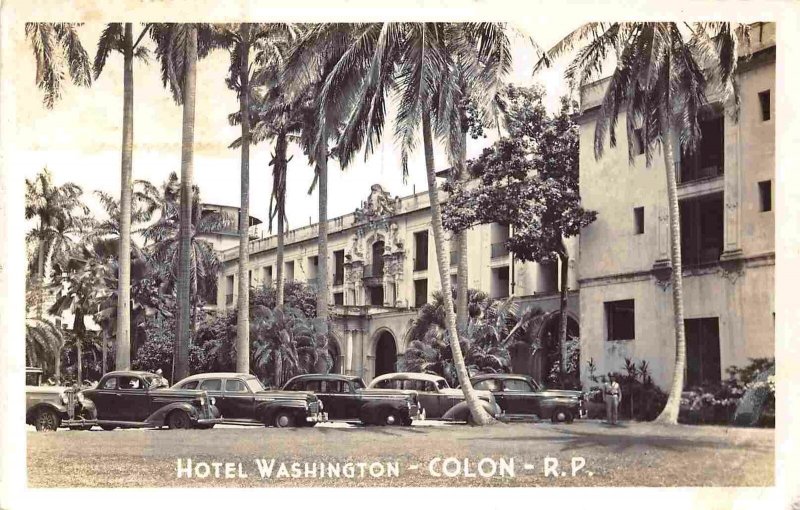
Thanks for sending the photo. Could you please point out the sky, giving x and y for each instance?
(79, 140)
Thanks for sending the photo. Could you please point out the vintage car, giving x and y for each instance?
(523, 399)
(242, 399)
(50, 407)
(346, 398)
(131, 399)
(437, 399)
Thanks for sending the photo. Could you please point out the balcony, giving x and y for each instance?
(499, 250)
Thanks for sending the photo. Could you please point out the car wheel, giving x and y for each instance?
(390, 418)
(406, 422)
(561, 415)
(206, 426)
(283, 419)
(178, 419)
(47, 420)
(108, 427)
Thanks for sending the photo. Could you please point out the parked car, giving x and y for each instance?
(346, 398)
(437, 399)
(522, 398)
(49, 407)
(132, 399)
(241, 398)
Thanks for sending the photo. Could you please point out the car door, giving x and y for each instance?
(133, 399)
(429, 397)
(337, 398)
(213, 386)
(239, 400)
(104, 398)
(520, 397)
(497, 391)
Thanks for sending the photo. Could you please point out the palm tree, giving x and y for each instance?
(43, 342)
(56, 46)
(178, 47)
(61, 215)
(164, 245)
(418, 62)
(660, 83)
(119, 37)
(240, 40)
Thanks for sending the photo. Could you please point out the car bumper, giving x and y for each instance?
(208, 421)
(317, 418)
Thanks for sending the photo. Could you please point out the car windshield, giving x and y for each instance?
(254, 384)
(442, 384)
(517, 385)
(358, 384)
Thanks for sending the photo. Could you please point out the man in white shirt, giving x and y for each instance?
(612, 394)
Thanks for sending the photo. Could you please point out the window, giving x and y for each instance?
(130, 383)
(517, 385)
(487, 385)
(338, 267)
(548, 277)
(638, 142)
(267, 275)
(331, 387)
(211, 385)
(620, 320)
(288, 271)
(235, 386)
(420, 292)
(708, 158)
(338, 298)
(358, 384)
(110, 384)
(703, 365)
(254, 384)
(421, 251)
(702, 229)
(764, 102)
(765, 195)
(638, 220)
(250, 277)
(499, 284)
(229, 289)
(190, 385)
(376, 295)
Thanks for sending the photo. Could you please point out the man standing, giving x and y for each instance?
(613, 395)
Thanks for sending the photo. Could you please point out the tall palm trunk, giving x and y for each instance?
(462, 277)
(322, 238)
(105, 355)
(479, 415)
(562, 336)
(181, 364)
(243, 300)
(40, 277)
(670, 413)
(79, 330)
(124, 281)
(280, 199)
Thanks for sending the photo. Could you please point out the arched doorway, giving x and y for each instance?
(333, 351)
(537, 362)
(385, 354)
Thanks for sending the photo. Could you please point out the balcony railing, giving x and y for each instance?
(228, 299)
(499, 250)
(453, 258)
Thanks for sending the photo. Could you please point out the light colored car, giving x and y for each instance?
(49, 407)
(438, 400)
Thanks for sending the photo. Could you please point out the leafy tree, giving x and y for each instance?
(486, 340)
(529, 181)
(286, 343)
(118, 37)
(659, 81)
(164, 236)
(157, 352)
(58, 51)
(43, 344)
(61, 216)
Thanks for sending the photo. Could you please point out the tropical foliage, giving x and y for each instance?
(58, 52)
(43, 344)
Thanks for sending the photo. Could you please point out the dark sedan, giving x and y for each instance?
(242, 399)
(522, 398)
(346, 398)
(132, 399)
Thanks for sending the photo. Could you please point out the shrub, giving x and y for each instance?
(159, 348)
(642, 400)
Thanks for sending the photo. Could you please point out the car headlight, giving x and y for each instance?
(212, 400)
(81, 399)
(202, 400)
(321, 407)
